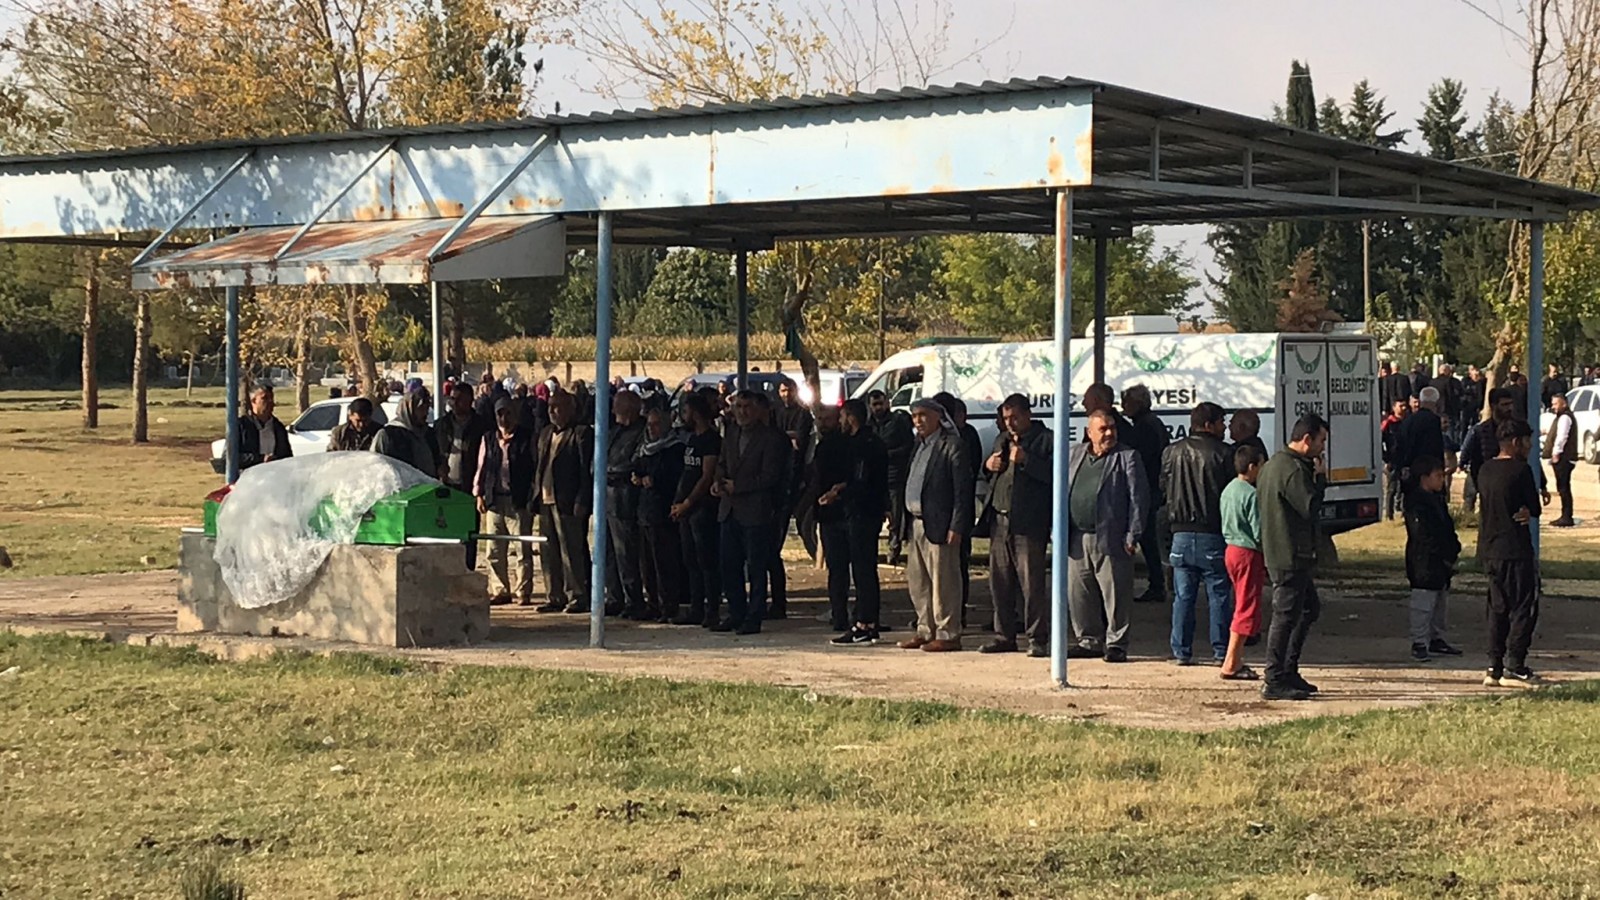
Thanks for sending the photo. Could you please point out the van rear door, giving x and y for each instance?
(1337, 379)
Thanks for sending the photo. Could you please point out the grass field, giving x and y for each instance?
(75, 501)
(122, 769)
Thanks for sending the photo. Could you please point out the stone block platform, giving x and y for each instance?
(417, 596)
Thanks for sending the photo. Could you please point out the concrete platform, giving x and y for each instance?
(386, 596)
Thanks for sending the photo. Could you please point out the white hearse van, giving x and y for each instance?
(1280, 376)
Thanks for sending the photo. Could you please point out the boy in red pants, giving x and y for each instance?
(1247, 569)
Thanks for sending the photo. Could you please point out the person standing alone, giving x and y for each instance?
(1289, 497)
(1510, 502)
(1561, 448)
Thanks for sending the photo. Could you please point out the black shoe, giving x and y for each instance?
(1183, 661)
(553, 606)
(612, 609)
(1079, 651)
(748, 628)
(1303, 684)
(1037, 650)
(1283, 692)
(1116, 655)
(776, 612)
(1252, 640)
(577, 608)
(635, 613)
(1443, 649)
(1563, 522)
(856, 636)
(1151, 597)
(1419, 653)
(999, 645)
(722, 627)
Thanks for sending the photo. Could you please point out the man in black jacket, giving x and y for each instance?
(893, 428)
(938, 501)
(503, 477)
(851, 542)
(956, 409)
(624, 582)
(1420, 435)
(1019, 532)
(1148, 437)
(565, 491)
(657, 470)
(752, 476)
(1432, 549)
(1289, 498)
(262, 438)
(1553, 384)
(1194, 473)
(1505, 545)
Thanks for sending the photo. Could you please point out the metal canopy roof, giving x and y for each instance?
(394, 252)
(983, 157)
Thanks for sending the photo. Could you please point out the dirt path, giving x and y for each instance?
(1357, 653)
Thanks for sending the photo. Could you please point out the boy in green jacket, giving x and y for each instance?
(1247, 568)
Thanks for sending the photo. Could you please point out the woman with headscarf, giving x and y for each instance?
(408, 438)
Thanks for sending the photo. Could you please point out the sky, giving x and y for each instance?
(1230, 54)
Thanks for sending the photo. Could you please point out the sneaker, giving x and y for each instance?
(1303, 684)
(1283, 692)
(1116, 655)
(856, 636)
(1419, 653)
(1522, 677)
(1079, 651)
(1491, 678)
(1440, 648)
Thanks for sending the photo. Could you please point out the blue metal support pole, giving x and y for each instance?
(1101, 274)
(602, 430)
(1060, 627)
(232, 380)
(441, 403)
(741, 268)
(1535, 351)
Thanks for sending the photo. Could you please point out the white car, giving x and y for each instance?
(310, 431)
(1585, 405)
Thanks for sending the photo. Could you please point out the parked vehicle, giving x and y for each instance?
(1279, 376)
(837, 385)
(1585, 405)
(309, 432)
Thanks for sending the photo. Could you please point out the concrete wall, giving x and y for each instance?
(390, 596)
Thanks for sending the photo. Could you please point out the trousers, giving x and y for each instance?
(698, 538)
(623, 583)
(661, 557)
(565, 555)
(1295, 608)
(1017, 578)
(1513, 610)
(505, 518)
(1099, 589)
(1200, 558)
(746, 553)
(1428, 615)
(850, 549)
(933, 578)
(1563, 472)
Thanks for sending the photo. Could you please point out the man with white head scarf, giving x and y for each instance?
(938, 499)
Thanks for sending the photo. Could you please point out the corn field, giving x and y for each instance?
(831, 349)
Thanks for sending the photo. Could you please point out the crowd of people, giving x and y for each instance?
(701, 494)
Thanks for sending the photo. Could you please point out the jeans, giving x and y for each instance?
(1392, 494)
(850, 548)
(1295, 608)
(746, 552)
(1195, 558)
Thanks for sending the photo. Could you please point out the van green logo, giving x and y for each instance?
(1146, 364)
(1251, 363)
(1310, 368)
(1048, 363)
(1082, 355)
(966, 371)
(1346, 367)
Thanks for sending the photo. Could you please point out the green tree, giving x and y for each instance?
(692, 293)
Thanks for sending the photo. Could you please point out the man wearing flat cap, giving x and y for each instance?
(938, 503)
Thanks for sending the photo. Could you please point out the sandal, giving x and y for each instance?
(1245, 673)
